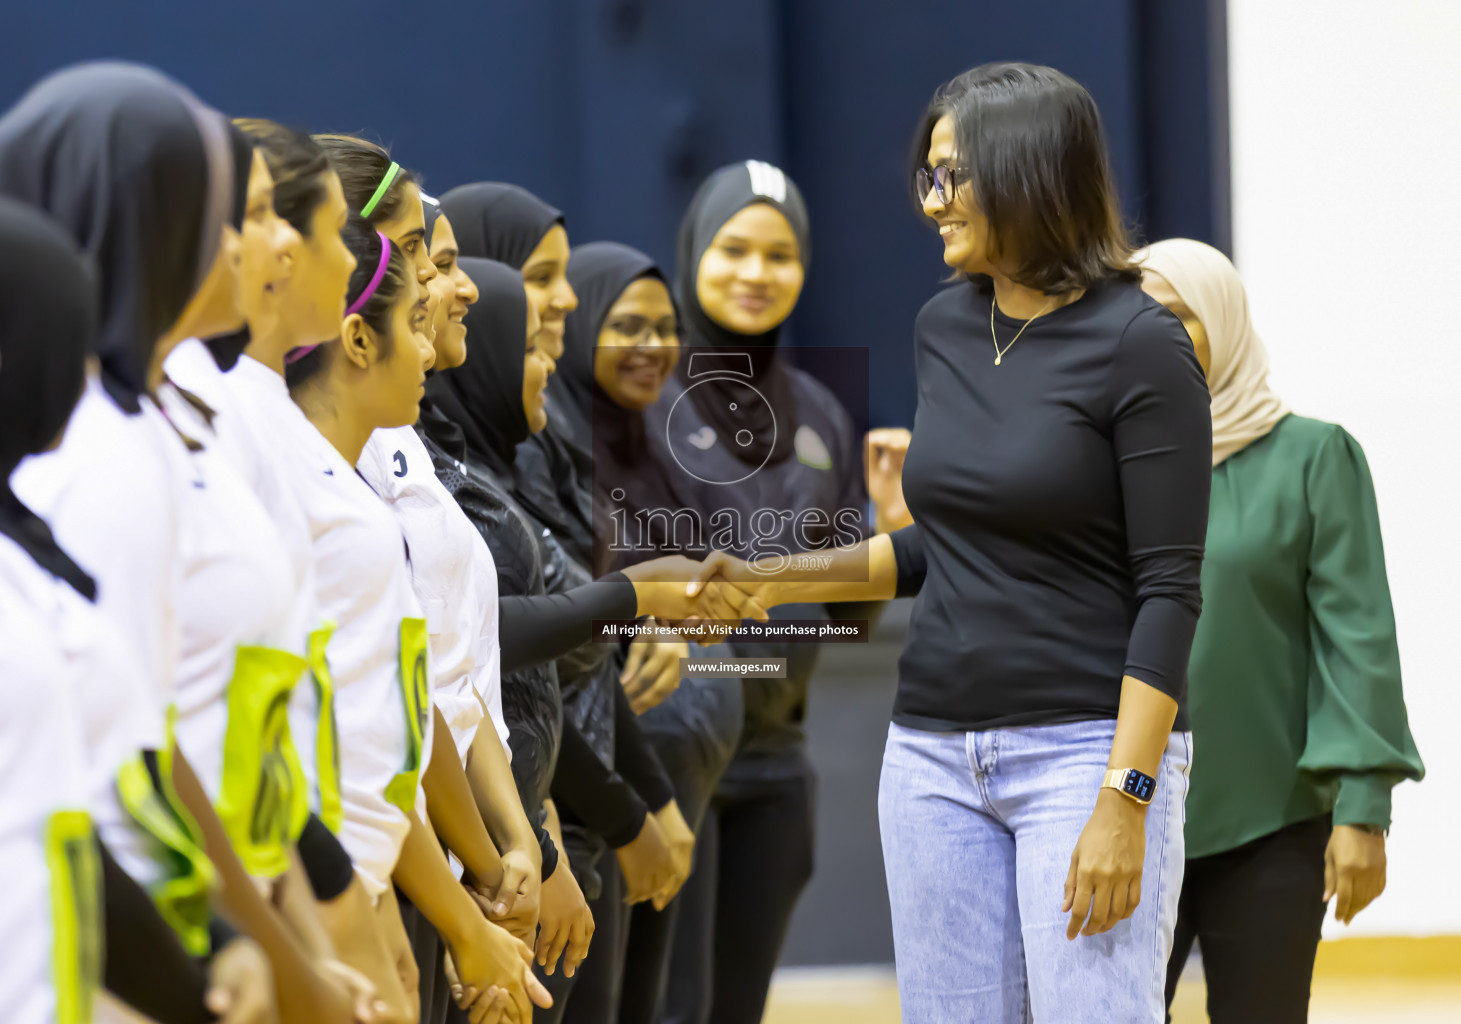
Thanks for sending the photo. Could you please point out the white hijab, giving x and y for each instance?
(1244, 407)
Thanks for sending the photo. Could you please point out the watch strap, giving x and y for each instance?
(1130, 783)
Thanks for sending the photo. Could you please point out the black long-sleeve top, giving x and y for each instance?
(550, 755)
(543, 627)
(624, 778)
(818, 498)
(1060, 505)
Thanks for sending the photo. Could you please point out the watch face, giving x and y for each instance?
(689, 437)
(1140, 786)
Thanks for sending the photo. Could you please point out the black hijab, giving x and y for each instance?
(726, 193)
(505, 223)
(479, 405)
(496, 221)
(143, 177)
(613, 438)
(598, 272)
(48, 308)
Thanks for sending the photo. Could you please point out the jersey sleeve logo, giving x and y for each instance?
(400, 459)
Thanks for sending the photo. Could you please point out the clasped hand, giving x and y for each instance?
(692, 593)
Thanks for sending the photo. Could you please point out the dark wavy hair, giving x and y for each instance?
(1029, 141)
(361, 164)
(364, 243)
(298, 166)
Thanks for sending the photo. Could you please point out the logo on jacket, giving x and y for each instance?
(400, 463)
(811, 450)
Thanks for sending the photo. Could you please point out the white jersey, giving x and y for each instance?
(50, 913)
(245, 715)
(377, 654)
(110, 497)
(454, 577)
(255, 424)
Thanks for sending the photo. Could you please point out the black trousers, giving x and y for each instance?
(695, 772)
(587, 861)
(1255, 912)
(430, 954)
(753, 858)
(596, 986)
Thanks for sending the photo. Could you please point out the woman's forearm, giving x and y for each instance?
(539, 628)
(453, 810)
(353, 925)
(424, 875)
(867, 571)
(552, 824)
(495, 791)
(1143, 727)
(239, 901)
(295, 901)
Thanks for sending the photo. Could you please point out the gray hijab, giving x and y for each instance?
(143, 177)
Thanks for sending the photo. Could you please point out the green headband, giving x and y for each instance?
(380, 190)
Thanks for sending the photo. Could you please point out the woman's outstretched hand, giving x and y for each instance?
(678, 588)
(884, 450)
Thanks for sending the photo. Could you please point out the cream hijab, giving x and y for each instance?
(1244, 407)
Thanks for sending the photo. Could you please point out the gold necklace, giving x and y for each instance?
(999, 352)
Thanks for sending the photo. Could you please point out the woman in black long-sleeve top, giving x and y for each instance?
(620, 348)
(754, 440)
(509, 224)
(480, 412)
(1058, 475)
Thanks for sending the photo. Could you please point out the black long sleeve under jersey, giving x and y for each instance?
(537, 628)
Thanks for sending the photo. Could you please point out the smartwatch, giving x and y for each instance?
(1139, 786)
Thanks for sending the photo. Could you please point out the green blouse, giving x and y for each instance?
(1294, 685)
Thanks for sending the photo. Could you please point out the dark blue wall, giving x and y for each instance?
(614, 109)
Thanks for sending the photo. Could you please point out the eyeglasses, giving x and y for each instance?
(940, 179)
(640, 332)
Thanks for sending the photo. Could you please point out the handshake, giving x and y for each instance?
(721, 588)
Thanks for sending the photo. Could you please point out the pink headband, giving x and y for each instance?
(380, 273)
(359, 304)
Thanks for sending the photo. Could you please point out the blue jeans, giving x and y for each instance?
(978, 830)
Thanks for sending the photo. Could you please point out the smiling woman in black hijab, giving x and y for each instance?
(494, 400)
(484, 396)
(551, 480)
(621, 346)
(727, 305)
(755, 434)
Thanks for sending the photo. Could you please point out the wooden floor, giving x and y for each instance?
(869, 997)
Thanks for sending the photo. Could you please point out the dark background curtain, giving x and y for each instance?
(614, 110)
